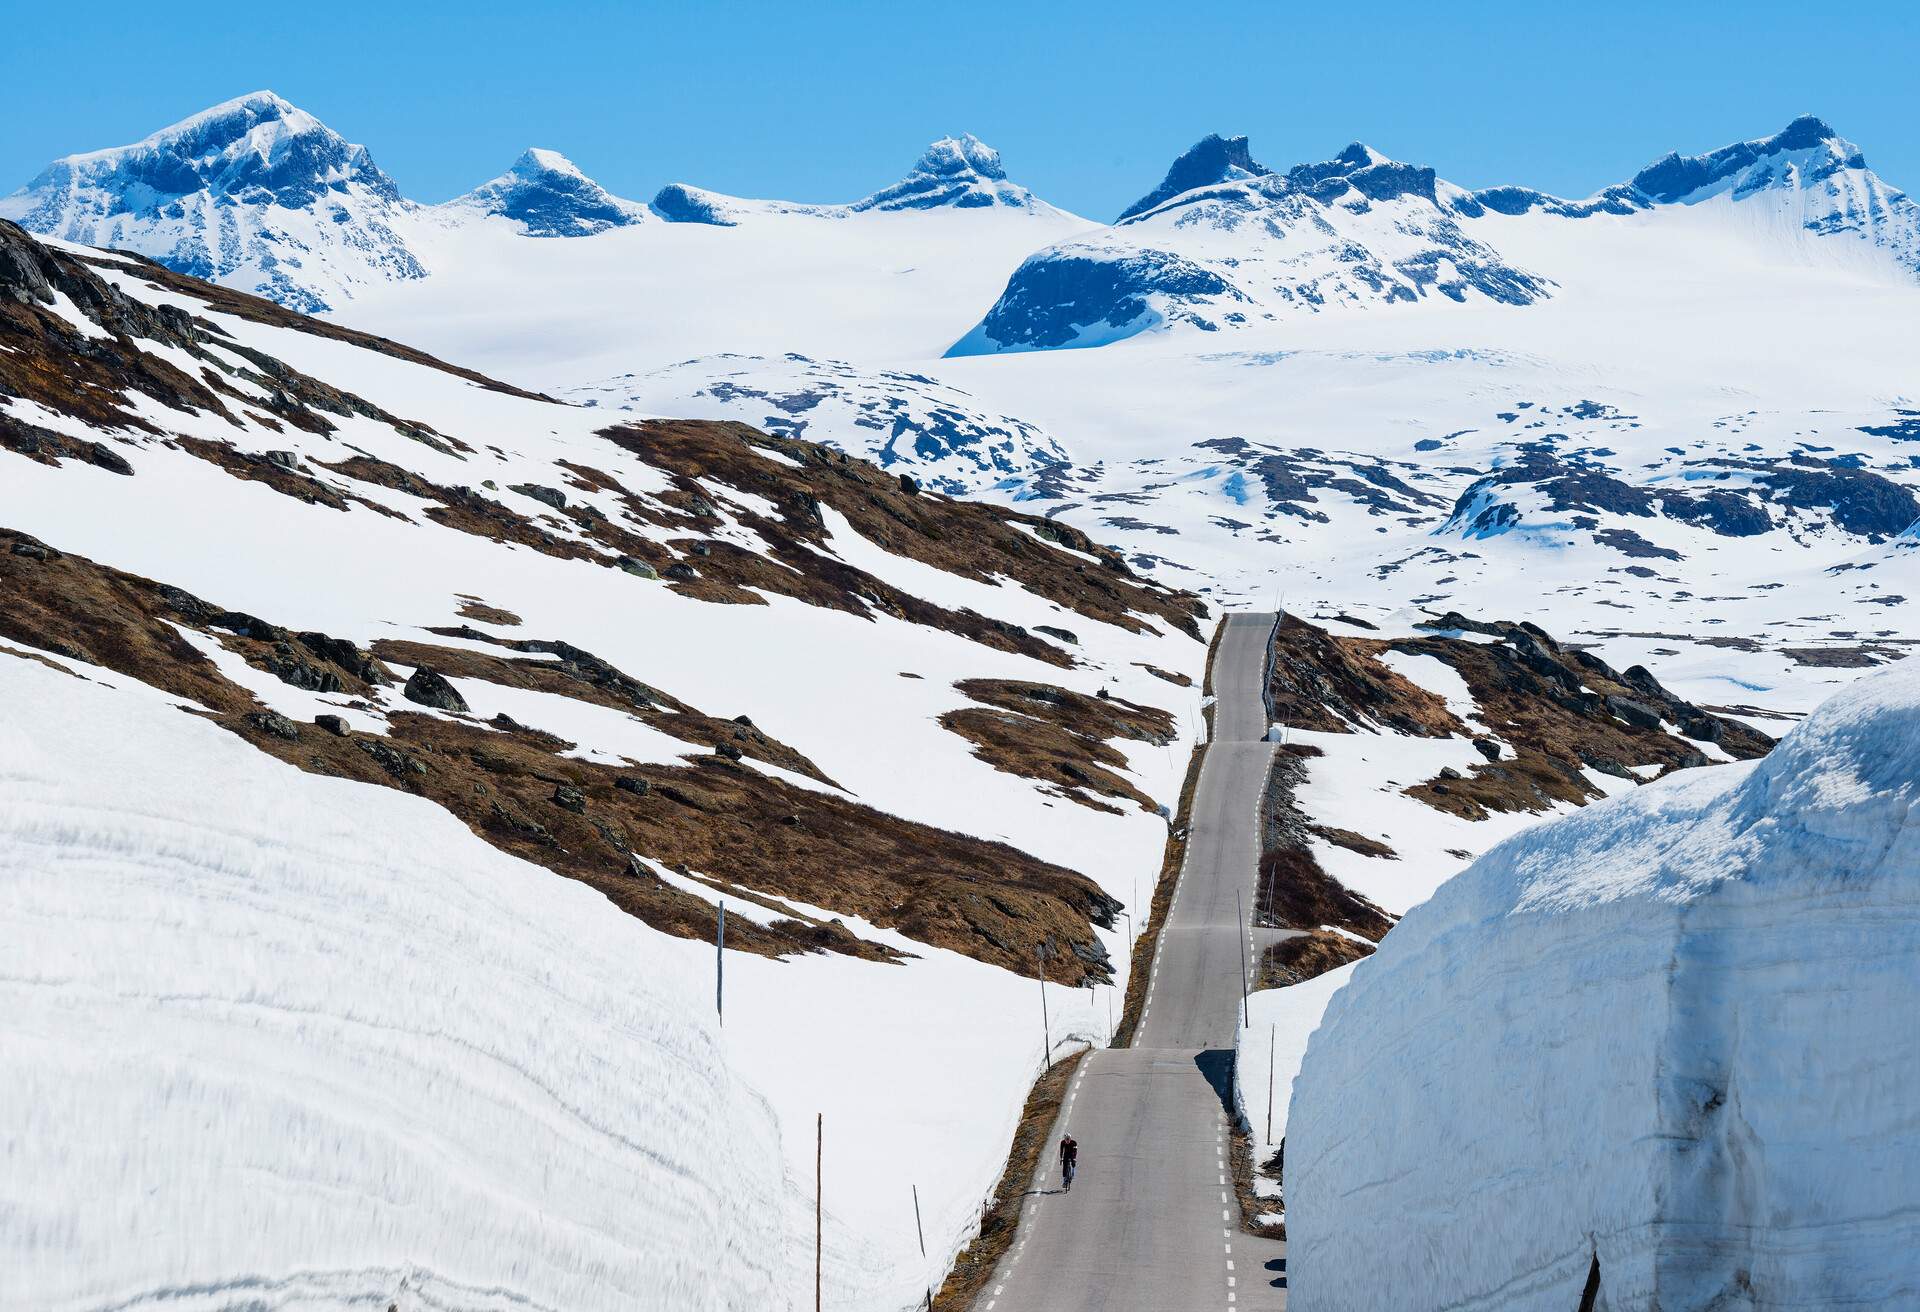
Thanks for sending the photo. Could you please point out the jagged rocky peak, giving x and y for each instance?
(1365, 170)
(1804, 152)
(1208, 162)
(960, 172)
(257, 148)
(548, 195)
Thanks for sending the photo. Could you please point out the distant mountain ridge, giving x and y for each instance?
(959, 173)
(1224, 242)
(262, 196)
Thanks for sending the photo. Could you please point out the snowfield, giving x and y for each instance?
(1670, 1035)
(279, 1038)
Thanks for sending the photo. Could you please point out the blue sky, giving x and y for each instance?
(1087, 103)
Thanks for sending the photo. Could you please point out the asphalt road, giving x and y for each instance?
(1151, 1224)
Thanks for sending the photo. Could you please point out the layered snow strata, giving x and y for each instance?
(1669, 1037)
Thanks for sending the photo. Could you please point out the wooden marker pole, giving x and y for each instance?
(820, 1147)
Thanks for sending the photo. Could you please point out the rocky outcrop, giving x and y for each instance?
(1209, 161)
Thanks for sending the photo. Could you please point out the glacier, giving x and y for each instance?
(1668, 1040)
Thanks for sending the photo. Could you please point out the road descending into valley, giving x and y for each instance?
(1151, 1224)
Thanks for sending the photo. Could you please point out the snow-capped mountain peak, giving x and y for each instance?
(1806, 178)
(255, 192)
(548, 195)
(1356, 230)
(1805, 152)
(960, 172)
(252, 145)
(1207, 162)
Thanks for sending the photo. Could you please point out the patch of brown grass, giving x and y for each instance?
(473, 608)
(1296, 960)
(1058, 737)
(1160, 905)
(1240, 1158)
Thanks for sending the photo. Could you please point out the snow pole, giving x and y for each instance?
(1046, 1028)
(819, 1160)
(1272, 1037)
(1240, 903)
(720, 964)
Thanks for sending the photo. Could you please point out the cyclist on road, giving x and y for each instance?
(1069, 1160)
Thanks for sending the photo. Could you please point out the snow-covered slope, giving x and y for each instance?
(1666, 1040)
(254, 193)
(547, 195)
(906, 421)
(648, 667)
(729, 277)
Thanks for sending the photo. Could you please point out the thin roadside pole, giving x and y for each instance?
(720, 966)
(1046, 1027)
(923, 1236)
(820, 1153)
(1240, 903)
(1272, 1034)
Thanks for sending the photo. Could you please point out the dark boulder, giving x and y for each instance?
(274, 723)
(551, 496)
(395, 762)
(1638, 714)
(431, 689)
(568, 798)
(333, 724)
(108, 459)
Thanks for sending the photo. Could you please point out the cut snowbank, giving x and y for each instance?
(285, 1040)
(1272, 1044)
(1673, 1031)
